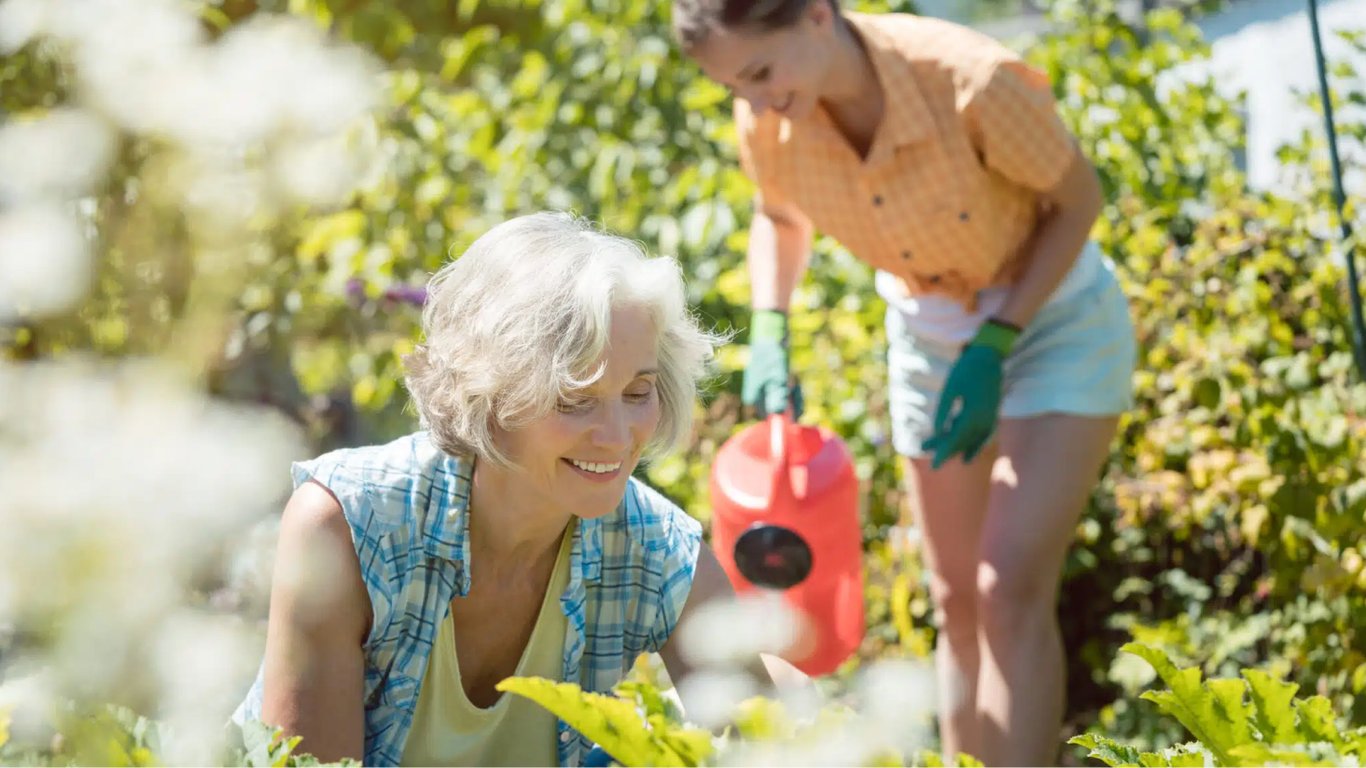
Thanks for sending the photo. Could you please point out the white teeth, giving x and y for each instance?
(594, 467)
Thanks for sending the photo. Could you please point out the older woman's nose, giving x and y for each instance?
(613, 427)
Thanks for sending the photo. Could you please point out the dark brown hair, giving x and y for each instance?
(693, 20)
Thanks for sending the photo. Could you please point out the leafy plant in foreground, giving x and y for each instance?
(1252, 720)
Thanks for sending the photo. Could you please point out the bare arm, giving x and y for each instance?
(1073, 205)
(710, 583)
(779, 251)
(319, 615)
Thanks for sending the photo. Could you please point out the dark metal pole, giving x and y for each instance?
(1358, 330)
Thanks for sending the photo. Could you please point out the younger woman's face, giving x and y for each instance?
(781, 70)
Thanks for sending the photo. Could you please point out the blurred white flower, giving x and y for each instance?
(28, 695)
(120, 44)
(274, 83)
(223, 195)
(45, 266)
(734, 632)
(318, 172)
(281, 73)
(123, 486)
(65, 153)
(204, 665)
(801, 700)
(251, 566)
(850, 741)
(710, 697)
(146, 65)
(270, 76)
(152, 31)
(843, 745)
(897, 701)
(130, 55)
(21, 21)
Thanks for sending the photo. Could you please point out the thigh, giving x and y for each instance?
(1046, 469)
(950, 505)
(1076, 356)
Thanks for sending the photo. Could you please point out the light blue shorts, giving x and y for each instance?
(1076, 356)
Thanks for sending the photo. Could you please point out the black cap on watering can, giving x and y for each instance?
(770, 555)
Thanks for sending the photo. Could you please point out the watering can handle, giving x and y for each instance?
(781, 487)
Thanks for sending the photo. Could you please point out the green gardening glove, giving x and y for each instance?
(971, 400)
(765, 387)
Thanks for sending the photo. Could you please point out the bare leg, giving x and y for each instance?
(949, 505)
(1046, 469)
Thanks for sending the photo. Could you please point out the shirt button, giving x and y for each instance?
(564, 737)
(877, 199)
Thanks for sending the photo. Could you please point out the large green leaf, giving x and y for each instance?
(1287, 754)
(1106, 749)
(1273, 698)
(1208, 713)
(612, 723)
(1317, 721)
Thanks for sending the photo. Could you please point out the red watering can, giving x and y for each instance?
(785, 517)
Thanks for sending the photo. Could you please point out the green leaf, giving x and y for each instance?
(1317, 722)
(266, 746)
(693, 745)
(1208, 714)
(611, 723)
(931, 759)
(1297, 754)
(647, 697)
(1272, 699)
(1231, 704)
(761, 719)
(326, 232)
(1189, 755)
(1105, 749)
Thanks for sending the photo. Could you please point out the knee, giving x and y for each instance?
(955, 607)
(1010, 596)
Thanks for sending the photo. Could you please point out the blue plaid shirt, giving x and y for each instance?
(407, 503)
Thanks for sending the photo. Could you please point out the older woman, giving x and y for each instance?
(509, 538)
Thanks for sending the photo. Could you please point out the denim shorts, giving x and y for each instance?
(1076, 356)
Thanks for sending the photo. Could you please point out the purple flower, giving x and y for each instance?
(403, 293)
(415, 295)
(355, 291)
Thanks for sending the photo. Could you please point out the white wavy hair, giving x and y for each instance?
(520, 320)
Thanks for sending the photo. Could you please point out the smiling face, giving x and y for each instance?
(782, 70)
(577, 458)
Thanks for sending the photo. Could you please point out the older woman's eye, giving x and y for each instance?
(642, 396)
(573, 404)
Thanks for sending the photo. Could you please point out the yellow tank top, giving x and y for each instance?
(448, 730)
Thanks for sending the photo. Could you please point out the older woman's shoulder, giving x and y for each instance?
(380, 486)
